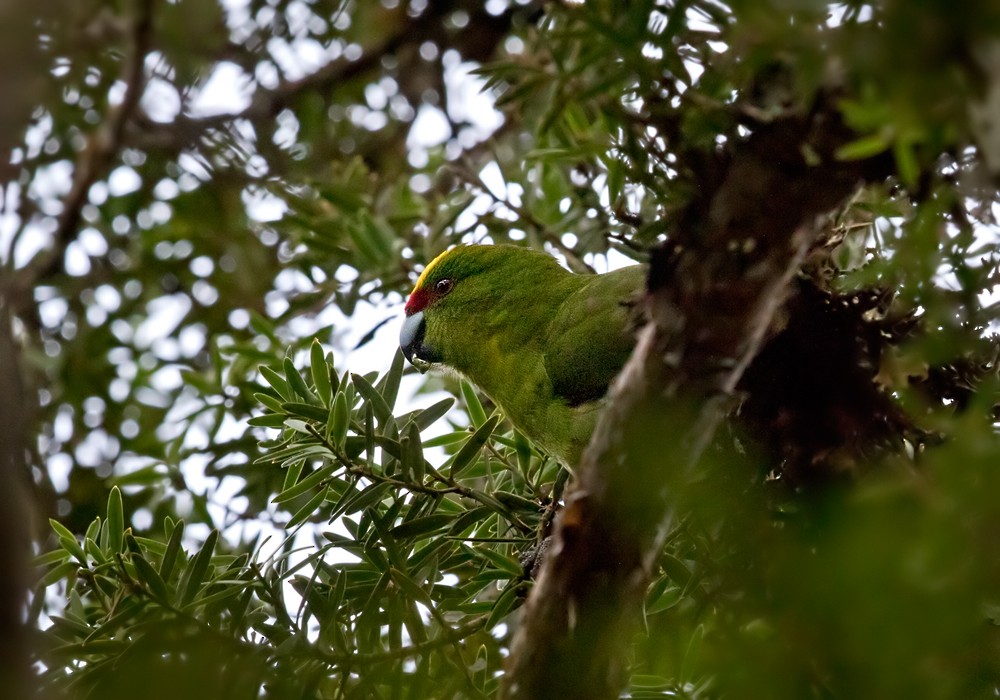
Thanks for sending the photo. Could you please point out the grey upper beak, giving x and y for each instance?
(411, 341)
(411, 334)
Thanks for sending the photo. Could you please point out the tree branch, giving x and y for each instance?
(185, 130)
(713, 292)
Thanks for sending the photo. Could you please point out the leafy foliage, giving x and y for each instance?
(235, 514)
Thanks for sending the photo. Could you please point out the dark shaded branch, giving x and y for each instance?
(712, 295)
(92, 163)
(14, 514)
(185, 131)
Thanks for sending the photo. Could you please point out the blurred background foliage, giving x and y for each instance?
(213, 211)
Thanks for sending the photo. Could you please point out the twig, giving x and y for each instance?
(450, 485)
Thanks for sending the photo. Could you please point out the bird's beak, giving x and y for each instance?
(411, 341)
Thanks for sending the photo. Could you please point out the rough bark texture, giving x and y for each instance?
(713, 292)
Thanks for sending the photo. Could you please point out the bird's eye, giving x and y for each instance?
(443, 286)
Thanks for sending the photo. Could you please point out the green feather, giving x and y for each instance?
(540, 341)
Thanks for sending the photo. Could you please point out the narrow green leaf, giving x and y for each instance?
(369, 437)
(338, 591)
(379, 233)
(59, 573)
(320, 373)
(299, 426)
(372, 604)
(411, 587)
(469, 518)
(447, 439)
(364, 244)
(345, 381)
(70, 544)
(306, 410)
(862, 148)
(514, 500)
(906, 162)
(616, 179)
(310, 481)
(116, 520)
(359, 500)
(477, 414)
(268, 420)
(501, 562)
(412, 453)
(96, 553)
(389, 446)
(61, 530)
(667, 599)
(198, 568)
(678, 571)
(340, 419)
(150, 545)
(385, 544)
(218, 596)
(433, 412)
(76, 627)
(277, 382)
(292, 474)
(146, 573)
(503, 605)
(294, 452)
(297, 383)
(523, 450)
(266, 399)
(48, 558)
(422, 526)
(173, 549)
(133, 545)
(470, 450)
(93, 530)
(369, 497)
(306, 511)
(373, 398)
(389, 386)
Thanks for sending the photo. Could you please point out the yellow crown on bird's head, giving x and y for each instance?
(415, 299)
(430, 266)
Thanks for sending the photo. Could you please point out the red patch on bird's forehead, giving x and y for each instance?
(420, 297)
(418, 301)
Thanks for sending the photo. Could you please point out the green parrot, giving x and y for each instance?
(542, 342)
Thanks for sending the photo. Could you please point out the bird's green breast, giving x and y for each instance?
(541, 342)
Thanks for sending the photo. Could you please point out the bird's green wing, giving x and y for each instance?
(592, 335)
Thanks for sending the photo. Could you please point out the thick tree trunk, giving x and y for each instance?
(712, 295)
